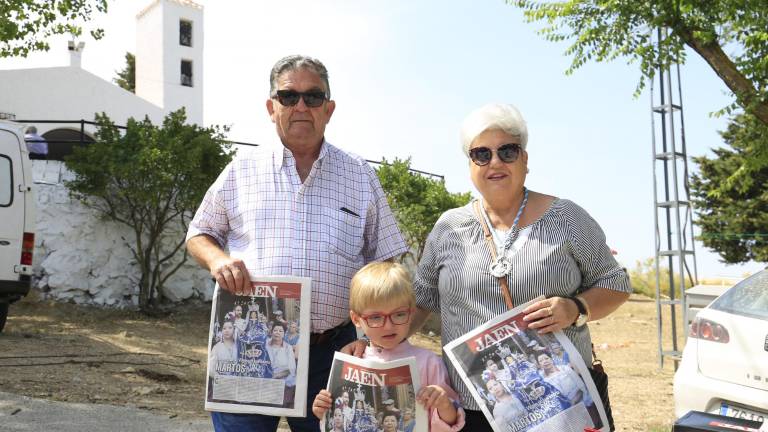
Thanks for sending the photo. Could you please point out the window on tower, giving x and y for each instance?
(185, 33)
(186, 73)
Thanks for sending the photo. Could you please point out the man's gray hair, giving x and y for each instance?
(503, 117)
(295, 62)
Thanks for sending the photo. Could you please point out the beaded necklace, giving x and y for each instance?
(502, 266)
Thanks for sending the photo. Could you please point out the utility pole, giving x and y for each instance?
(673, 214)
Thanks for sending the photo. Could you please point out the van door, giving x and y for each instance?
(11, 205)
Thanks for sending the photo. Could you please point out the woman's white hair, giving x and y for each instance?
(503, 117)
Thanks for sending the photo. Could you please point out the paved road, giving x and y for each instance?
(23, 414)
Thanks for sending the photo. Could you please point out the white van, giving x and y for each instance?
(17, 217)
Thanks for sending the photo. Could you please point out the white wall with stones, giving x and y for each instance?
(82, 258)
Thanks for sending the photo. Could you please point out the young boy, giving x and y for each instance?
(382, 302)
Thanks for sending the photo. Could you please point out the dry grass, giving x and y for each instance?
(641, 392)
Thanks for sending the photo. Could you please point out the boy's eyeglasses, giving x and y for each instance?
(482, 156)
(289, 98)
(398, 317)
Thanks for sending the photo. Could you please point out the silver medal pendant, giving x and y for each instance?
(500, 267)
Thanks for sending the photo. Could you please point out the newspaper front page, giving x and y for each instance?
(526, 381)
(258, 348)
(373, 396)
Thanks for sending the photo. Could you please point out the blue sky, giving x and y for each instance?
(405, 73)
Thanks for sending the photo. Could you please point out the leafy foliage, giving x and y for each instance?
(25, 25)
(731, 194)
(417, 201)
(151, 179)
(643, 279)
(126, 78)
(604, 30)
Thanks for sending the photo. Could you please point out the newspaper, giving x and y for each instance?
(526, 381)
(258, 348)
(373, 396)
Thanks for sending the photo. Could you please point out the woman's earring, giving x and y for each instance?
(527, 170)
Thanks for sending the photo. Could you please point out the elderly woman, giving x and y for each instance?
(543, 245)
(283, 362)
(389, 423)
(564, 379)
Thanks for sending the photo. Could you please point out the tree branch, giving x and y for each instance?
(172, 271)
(742, 87)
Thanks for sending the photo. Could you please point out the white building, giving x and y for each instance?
(169, 56)
(169, 65)
(78, 255)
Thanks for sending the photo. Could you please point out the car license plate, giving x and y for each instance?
(739, 412)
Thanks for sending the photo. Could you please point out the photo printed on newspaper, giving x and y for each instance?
(258, 348)
(371, 396)
(525, 381)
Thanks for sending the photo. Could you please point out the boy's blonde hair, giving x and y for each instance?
(380, 283)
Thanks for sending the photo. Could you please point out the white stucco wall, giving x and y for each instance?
(83, 258)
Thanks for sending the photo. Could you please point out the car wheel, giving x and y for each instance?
(3, 315)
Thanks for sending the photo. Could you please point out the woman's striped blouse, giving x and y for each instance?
(565, 254)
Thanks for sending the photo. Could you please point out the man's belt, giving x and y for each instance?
(328, 335)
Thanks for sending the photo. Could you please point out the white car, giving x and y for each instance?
(724, 369)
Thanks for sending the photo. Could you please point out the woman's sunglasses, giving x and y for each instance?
(312, 98)
(482, 156)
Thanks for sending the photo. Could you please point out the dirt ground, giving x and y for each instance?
(73, 353)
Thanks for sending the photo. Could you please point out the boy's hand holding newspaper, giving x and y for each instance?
(323, 402)
(434, 396)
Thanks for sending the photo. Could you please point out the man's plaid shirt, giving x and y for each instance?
(327, 228)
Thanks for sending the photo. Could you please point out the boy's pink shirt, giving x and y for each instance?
(431, 372)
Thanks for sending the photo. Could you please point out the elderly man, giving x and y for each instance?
(303, 208)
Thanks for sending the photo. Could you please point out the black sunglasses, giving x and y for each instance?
(482, 156)
(312, 98)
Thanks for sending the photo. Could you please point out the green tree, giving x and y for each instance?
(151, 179)
(733, 210)
(25, 25)
(416, 200)
(603, 30)
(126, 78)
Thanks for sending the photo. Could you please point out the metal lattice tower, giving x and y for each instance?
(673, 214)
